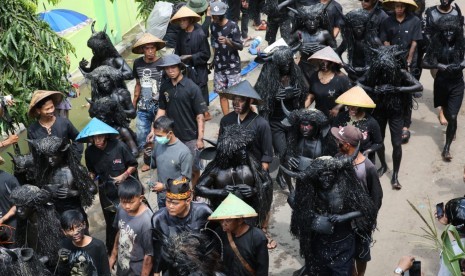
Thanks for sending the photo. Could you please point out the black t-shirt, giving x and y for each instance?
(7, 184)
(182, 103)
(252, 245)
(62, 128)
(149, 76)
(97, 252)
(262, 148)
(326, 94)
(226, 58)
(335, 14)
(111, 161)
(401, 33)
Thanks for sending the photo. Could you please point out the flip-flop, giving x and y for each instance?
(405, 136)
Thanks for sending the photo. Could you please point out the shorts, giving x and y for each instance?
(221, 81)
(192, 145)
(448, 93)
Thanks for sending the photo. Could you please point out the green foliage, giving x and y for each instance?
(146, 6)
(451, 260)
(32, 56)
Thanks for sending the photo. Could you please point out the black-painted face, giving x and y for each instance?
(445, 3)
(285, 69)
(326, 179)
(324, 65)
(449, 35)
(311, 24)
(104, 84)
(241, 105)
(359, 31)
(308, 129)
(55, 160)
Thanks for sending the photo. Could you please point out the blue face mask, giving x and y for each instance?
(162, 140)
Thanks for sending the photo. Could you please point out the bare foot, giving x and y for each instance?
(442, 119)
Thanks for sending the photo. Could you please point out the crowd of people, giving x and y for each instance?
(215, 220)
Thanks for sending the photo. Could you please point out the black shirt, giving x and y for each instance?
(401, 33)
(182, 103)
(326, 94)
(226, 58)
(171, 35)
(61, 128)
(112, 161)
(335, 14)
(195, 43)
(252, 245)
(263, 147)
(7, 184)
(149, 76)
(97, 252)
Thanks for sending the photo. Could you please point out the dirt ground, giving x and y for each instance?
(425, 178)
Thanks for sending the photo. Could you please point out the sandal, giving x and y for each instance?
(262, 26)
(446, 156)
(272, 244)
(405, 136)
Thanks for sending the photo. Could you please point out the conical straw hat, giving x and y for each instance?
(243, 89)
(327, 53)
(356, 96)
(185, 12)
(95, 127)
(39, 95)
(233, 207)
(390, 4)
(147, 38)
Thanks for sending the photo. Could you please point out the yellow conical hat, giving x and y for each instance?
(233, 207)
(356, 96)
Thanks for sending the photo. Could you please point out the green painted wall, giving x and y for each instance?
(121, 17)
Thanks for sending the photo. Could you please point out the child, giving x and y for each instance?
(132, 249)
(80, 249)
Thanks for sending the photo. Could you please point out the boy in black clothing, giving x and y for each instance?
(81, 253)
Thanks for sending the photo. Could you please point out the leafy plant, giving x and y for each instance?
(146, 6)
(32, 56)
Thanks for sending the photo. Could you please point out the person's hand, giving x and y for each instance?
(11, 140)
(246, 190)
(337, 218)
(333, 112)
(150, 137)
(230, 188)
(406, 262)
(385, 89)
(442, 220)
(442, 67)
(83, 63)
(158, 187)
(293, 163)
(185, 58)
(120, 178)
(223, 40)
(112, 261)
(63, 192)
(200, 144)
(265, 166)
(368, 151)
(287, 93)
(453, 68)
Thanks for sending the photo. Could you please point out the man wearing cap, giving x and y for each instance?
(348, 138)
(226, 40)
(193, 48)
(110, 162)
(182, 101)
(148, 78)
(42, 107)
(243, 96)
(244, 246)
(179, 215)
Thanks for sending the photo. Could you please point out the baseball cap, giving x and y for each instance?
(218, 8)
(348, 134)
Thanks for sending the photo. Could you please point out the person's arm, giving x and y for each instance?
(235, 42)
(137, 89)
(124, 68)
(266, 146)
(309, 100)
(412, 84)
(186, 164)
(127, 104)
(8, 215)
(200, 130)
(411, 52)
(205, 188)
(160, 113)
(103, 267)
(114, 252)
(10, 140)
(147, 265)
(374, 187)
(405, 263)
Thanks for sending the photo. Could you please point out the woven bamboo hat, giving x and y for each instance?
(327, 53)
(185, 12)
(390, 4)
(39, 95)
(233, 207)
(147, 38)
(197, 5)
(356, 96)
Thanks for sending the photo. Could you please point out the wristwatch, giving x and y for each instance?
(399, 271)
